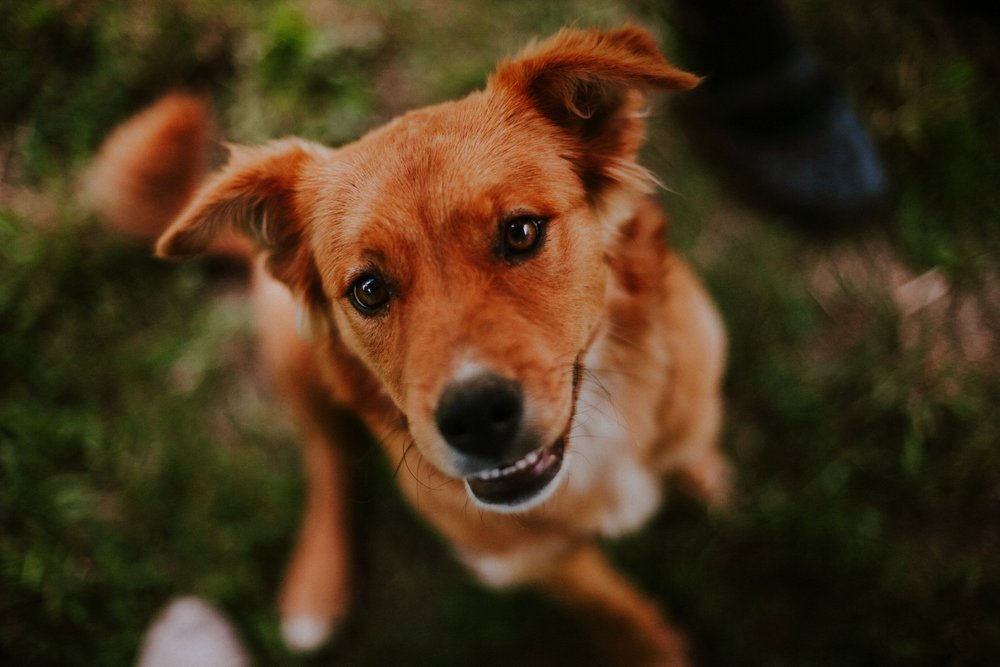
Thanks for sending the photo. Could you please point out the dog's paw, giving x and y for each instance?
(303, 633)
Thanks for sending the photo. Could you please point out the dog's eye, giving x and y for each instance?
(368, 294)
(521, 236)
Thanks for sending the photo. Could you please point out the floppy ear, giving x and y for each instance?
(254, 197)
(590, 83)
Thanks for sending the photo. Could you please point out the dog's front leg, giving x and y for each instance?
(626, 624)
(315, 592)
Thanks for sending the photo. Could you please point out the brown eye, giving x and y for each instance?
(368, 294)
(521, 236)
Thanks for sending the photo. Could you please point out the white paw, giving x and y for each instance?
(305, 633)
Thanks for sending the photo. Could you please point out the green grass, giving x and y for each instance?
(142, 457)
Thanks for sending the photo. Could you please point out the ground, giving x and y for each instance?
(141, 456)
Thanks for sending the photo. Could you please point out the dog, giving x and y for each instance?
(486, 284)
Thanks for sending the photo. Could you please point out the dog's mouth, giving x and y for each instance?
(515, 484)
(531, 479)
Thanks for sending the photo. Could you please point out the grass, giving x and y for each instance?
(141, 456)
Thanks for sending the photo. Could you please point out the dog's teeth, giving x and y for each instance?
(521, 464)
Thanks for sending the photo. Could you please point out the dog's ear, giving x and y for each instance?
(253, 196)
(590, 83)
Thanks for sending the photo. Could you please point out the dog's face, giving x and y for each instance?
(459, 250)
(466, 270)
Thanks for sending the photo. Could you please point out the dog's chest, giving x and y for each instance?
(609, 486)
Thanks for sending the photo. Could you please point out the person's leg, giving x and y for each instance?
(769, 114)
(731, 37)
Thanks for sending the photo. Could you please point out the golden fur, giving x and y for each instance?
(611, 340)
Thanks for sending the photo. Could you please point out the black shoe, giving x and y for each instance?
(788, 139)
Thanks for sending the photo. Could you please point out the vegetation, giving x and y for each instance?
(141, 455)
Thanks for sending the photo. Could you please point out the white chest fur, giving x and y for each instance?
(606, 472)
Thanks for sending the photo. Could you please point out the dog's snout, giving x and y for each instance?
(481, 416)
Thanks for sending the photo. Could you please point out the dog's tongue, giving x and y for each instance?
(518, 483)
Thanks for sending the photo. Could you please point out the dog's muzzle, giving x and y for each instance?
(482, 418)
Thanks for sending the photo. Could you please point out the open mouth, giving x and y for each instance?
(530, 479)
(521, 481)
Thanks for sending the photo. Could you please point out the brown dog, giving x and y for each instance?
(485, 283)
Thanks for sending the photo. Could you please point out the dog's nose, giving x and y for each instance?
(481, 416)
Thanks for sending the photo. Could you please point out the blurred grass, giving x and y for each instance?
(141, 456)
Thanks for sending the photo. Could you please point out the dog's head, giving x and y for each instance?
(459, 250)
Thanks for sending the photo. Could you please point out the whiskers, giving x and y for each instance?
(409, 445)
(592, 385)
(402, 460)
(616, 334)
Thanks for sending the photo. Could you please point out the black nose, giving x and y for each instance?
(481, 416)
